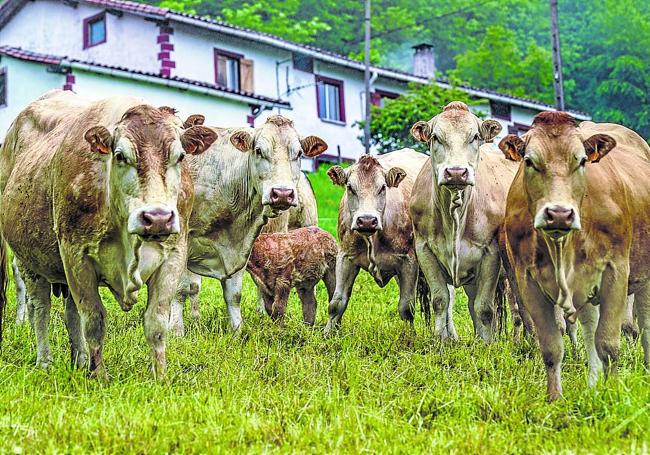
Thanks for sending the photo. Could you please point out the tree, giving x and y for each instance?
(390, 125)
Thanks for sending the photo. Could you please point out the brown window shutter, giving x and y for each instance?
(246, 68)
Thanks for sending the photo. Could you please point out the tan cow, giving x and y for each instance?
(374, 227)
(457, 207)
(246, 177)
(578, 234)
(302, 215)
(95, 193)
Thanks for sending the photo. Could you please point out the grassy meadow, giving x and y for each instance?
(369, 388)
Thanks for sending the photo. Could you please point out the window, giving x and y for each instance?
(3, 87)
(330, 99)
(500, 110)
(227, 69)
(378, 97)
(303, 63)
(94, 30)
(518, 128)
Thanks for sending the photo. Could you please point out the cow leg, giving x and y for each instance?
(346, 273)
(330, 282)
(407, 276)
(280, 303)
(38, 296)
(588, 317)
(78, 354)
(232, 295)
(440, 293)
(550, 338)
(21, 304)
(572, 332)
(161, 288)
(630, 328)
(195, 293)
(176, 325)
(642, 310)
(308, 300)
(261, 306)
(613, 299)
(484, 304)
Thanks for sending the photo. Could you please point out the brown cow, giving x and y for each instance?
(457, 207)
(95, 193)
(296, 259)
(578, 232)
(375, 229)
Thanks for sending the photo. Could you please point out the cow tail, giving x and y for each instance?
(424, 297)
(4, 278)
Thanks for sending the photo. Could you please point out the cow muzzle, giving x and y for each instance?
(456, 177)
(366, 224)
(557, 220)
(282, 198)
(154, 223)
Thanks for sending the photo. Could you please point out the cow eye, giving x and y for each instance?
(349, 186)
(382, 189)
(583, 161)
(181, 158)
(120, 157)
(475, 138)
(530, 164)
(258, 151)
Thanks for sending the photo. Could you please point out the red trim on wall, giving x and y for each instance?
(86, 29)
(340, 84)
(69, 82)
(165, 32)
(166, 47)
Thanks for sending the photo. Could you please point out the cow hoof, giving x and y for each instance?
(45, 363)
(99, 374)
(177, 330)
(79, 359)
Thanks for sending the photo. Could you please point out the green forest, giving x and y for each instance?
(498, 44)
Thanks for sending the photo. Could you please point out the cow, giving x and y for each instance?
(248, 176)
(296, 259)
(457, 207)
(96, 193)
(302, 215)
(578, 234)
(374, 228)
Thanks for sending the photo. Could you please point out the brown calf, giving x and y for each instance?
(296, 259)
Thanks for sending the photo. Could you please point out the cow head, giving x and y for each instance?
(366, 184)
(144, 155)
(555, 157)
(274, 152)
(454, 137)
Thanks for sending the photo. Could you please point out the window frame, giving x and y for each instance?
(379, 94)
(86, 32)
(4, 101)
(320, 80)
(507, 117)
(518, 128)
(230, 55)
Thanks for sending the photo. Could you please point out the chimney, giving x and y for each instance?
(424, 64)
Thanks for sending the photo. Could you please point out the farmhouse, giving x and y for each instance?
(231, 75)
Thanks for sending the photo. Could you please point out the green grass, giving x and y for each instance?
(369, 388)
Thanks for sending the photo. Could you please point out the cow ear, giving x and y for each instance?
(197, 139)
(394, 176)
(242, 140)
(100, 140)
(489, 129)
(167, 110)
(421, 131)
(194, 120)
(513, 147)
(313, 146)
(337, 175)
(597, 146)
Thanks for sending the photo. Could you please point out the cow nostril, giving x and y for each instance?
(146, 219)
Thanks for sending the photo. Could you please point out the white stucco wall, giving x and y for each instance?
(26, 81)
(52, 27)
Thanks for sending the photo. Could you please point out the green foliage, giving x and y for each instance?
(390, 125)
(498, 63)
(371, 388)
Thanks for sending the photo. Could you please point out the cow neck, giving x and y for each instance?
(452, 206)
(373, 268)
(562, 267)
(245, 211)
